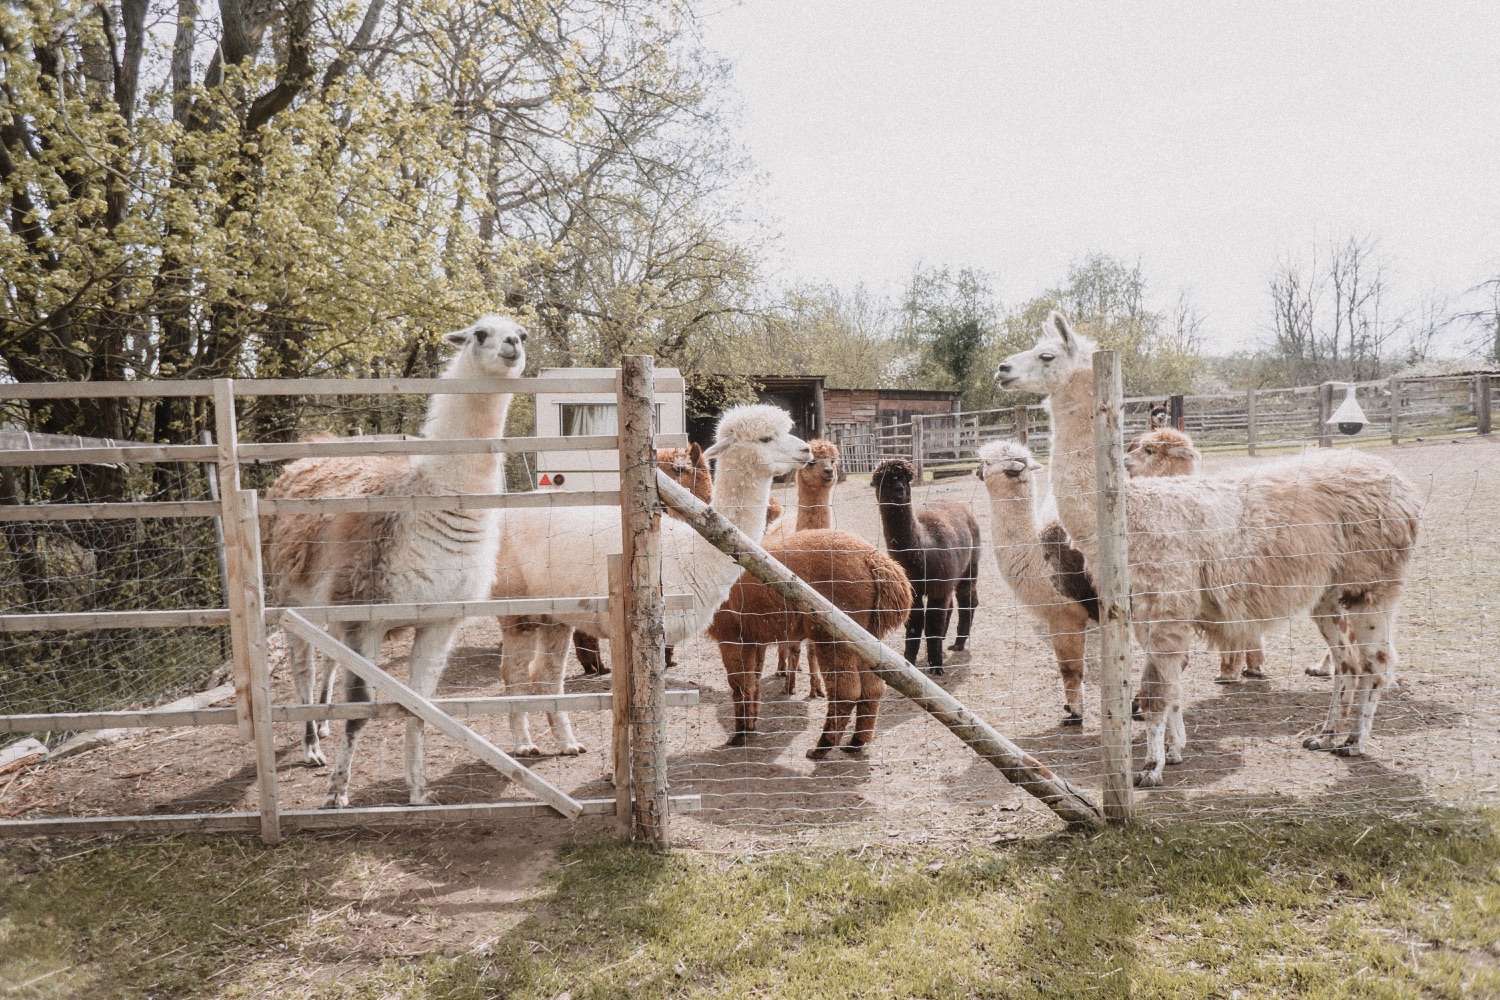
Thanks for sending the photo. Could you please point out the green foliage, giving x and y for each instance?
(817, 330)
(945, 321)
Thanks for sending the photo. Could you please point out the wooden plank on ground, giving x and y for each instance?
(429, 713)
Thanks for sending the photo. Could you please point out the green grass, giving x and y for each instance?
(1343, 908)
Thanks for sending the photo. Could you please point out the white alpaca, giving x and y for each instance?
(1021, 552)
(414, 557)
(1330, 534)
(564, 551)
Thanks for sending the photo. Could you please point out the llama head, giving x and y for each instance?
(758, 436)
(892, 481)
(1008, 470)
(1163, 452)
(689, 469)
(493, 347)
(1160, 416)
(1046, 367)
(823, 470)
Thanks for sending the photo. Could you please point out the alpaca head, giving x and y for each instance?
(892, 481)
(1046, 367)
(759, 437)
(823, 470)
(1160, 416)
(689, 468)
(493, 347)
(1163, 452)
(1008, 470)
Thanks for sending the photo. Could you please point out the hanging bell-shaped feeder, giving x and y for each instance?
(1349, 418)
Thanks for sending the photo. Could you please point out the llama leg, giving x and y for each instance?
(843, 692)
(867, 710)
(1255, 660)
(586, 648)
(304, 671)
(1376, 657)
(1231, 662)
(914, 623)
(788, 660)
(517, 653)
(330, 684)
(1068, 647)
(429, 657)
(547, 679)
(1327, 616)
(936, 629)
(968, 601)
(366, 642)
(742, 662)
(1166, 646)
(1323, 668)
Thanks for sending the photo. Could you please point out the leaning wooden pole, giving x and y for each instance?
(1112, 581)
(1018, 766)
(645, 608)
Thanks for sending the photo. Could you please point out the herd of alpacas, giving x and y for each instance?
(1329, 534)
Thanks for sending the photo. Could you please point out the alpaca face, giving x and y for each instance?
(824, 468)
(1046, 367)
(759, 437)
(892, 482)
(1008, 470)
(494, 346)
(1163, 452)
(689, 469)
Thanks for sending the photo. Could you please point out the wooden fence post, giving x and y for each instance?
(1023, 428)
(1325, 410)
(247, 612)
(1482, 404)
(1177, 409)
(1250, 421)
(645, 608)
(1395, 411)
(917, 444)
(1112, 581)
(619, 683)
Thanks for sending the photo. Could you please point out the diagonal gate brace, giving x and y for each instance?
(424, 709)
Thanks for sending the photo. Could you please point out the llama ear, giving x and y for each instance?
(716, 449)
(1060, 326)
(457, 338)
(695, 453)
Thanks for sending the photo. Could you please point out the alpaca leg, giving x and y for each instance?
(1323, 668)
(914, 624)
(1255, 660)
(304, 679)
(1231, 662)
(788, 660)
(743, 662)
(1327, 616)
(815, 688)
(429, 657)
(1068, 647)
(366, 642)
(667, 661)
(517, 653)
(330, 683)
(936, 628)
(968, 602)
(586, 648)
(1377, 663)
(547, 679)
(867, 710)
(843, 692)
(1166, 646)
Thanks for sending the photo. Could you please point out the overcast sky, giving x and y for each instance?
(1205, 140)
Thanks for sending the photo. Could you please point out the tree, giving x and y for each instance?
(945, 322)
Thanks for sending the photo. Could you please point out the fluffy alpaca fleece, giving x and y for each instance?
(939, 549)
(689, 468)
(1330, 534)
(1024, 559)
(401, 557)
(867, 585)
(1162, 452)
(815, 482)
(564, 552)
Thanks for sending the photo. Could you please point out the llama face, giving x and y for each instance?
(1007, 469)
(1045, 367)
(495, 346)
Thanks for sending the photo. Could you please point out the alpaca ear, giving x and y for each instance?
(1064, 331)
(1186, 451)
(716, 449)
(1033, 466)
(457, 338)
(695, 453)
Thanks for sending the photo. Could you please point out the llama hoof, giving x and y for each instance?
(935, 671)
(1227, 679)
(1317, 671)
(1316, 743)
(789, 688)
(815, 695)
(855, 749)
(528, 750)
(421, 797)
(1350, 749)
(573, 749)
(738, 740)
(323, 729)
(1253, 674)
(1174, 756)
(957, 647)
(1072, 719)
(1148, 779)
(313, 757)
(335, 801)
(818, 752)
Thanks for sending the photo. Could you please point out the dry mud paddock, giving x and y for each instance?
(1435, 737)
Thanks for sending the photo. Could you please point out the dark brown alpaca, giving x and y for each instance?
(939, 549)
(863, 582)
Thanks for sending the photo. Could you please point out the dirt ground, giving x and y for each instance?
(1435, 738)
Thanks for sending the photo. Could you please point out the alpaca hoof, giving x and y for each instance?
(737, 740)
(1350, 749)
(1148, 779)
(1072, 719)
(1226, 679)
(573, 749)
(1316, 743)
(818, 752)
(421, 797)
(313, 757)
(323, 729)
(1318, 671)
(815, 695)
(528, 750)
(1254, 674)
(935, 671)
(957, 647)
(790, 687)
(1174, 756)
(335, 801)
(855, 749)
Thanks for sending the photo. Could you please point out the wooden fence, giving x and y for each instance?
(637, 702)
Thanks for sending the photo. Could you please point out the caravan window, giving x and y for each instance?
(584, 419)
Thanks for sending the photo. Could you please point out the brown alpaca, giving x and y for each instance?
(815, 482)
(863, 582)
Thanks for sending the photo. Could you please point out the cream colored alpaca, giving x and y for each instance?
(417, 557)
(1329, 534)
(564, 552)
(815, 482)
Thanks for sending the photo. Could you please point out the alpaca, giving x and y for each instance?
(866, 584)
(418, 557)
(1330, 534)
(1162, 452)
(1029, 562)
(688, 467)
(815, 482)
(563, 552)
(939, 549)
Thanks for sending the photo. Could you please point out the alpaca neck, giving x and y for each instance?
(899, 524)
(1017, 541)
(814, 507)
(1074, 476)
(742, 496)
(464, 415)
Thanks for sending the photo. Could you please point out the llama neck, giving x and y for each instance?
(899, 525)
(1016, 538)
(1074, 476)
(814, 506)
(464, 415)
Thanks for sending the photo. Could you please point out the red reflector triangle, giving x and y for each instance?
(545, 481)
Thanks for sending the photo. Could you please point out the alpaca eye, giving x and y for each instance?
(1047, 357)
(766, 439)
(1013, 473)
(524, 335)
